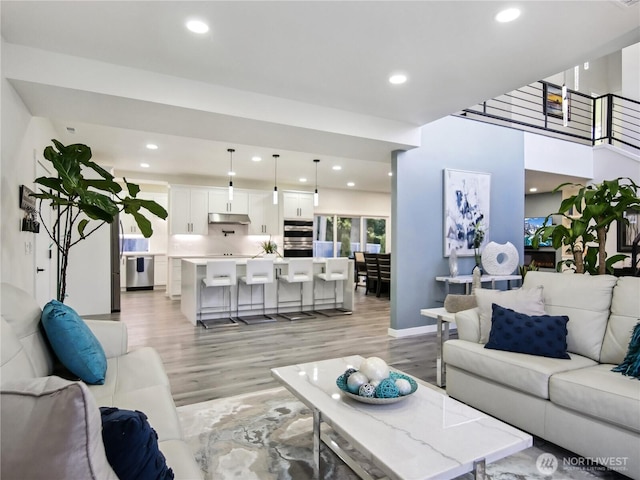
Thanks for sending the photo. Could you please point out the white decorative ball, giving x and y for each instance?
(375, 383)
(367, 390)
(355, 380)
(404, 387)
(374, 368)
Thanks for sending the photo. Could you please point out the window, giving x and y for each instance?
(376, 235)
(323, 237)
(337, 236)
(137, 244)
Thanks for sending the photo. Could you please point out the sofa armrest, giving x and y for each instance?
(111, 335)
(468, 325)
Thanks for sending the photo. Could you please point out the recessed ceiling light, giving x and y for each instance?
(508, 15)
(390, 174)
(256, 159)
(152, 146)
(533, 189)
(397, 79)
(144, 165)
(336, 167)
(197, 26)
(302, 179)
(351, 184)
(231, 174)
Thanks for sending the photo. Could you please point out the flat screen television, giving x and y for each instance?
(531, 224)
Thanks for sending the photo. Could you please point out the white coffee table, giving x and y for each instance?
(425, 436)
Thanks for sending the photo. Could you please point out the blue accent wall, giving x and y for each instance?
(417, 207)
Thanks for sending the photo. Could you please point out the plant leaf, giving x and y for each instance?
(81, 226)
(143, 223)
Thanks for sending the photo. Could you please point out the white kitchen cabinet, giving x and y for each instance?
(160, 270)
(263, 214)
(296, 205)
(188, 210)
(219, 201)
(129, 225)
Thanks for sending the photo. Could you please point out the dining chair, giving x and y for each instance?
(384, 272)
(360, 268)
(372, 279)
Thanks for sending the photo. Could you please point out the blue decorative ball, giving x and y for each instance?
(387, 389)
(367, 390)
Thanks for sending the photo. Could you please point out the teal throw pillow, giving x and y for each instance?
(542, 335)
(74, 344)
(631, 364)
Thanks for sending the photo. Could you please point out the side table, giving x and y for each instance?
(443, 318)
(467, 280)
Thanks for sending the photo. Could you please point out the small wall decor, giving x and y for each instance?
(27, 202)
(628, 232)
(553, 102)
(466, 207)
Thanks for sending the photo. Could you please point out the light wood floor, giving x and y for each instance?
(225, 361)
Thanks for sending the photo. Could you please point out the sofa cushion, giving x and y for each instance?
(15, 363)
(181, 459)
(137, 381)
(600, 393)
(625, 312)
(529, 301)
(631, 364)
(51, 428)
(22, 314)
(75, 345)
(527, 373)
(131, 445)
(585, 299)
(542, 335)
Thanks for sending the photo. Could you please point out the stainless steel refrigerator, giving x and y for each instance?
(116, 257)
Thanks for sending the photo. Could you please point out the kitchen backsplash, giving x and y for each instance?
(217, 243)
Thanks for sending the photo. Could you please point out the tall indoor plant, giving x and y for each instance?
(590, 213)
(84, 204)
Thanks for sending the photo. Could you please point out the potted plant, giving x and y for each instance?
(83, 204)
(269, 248)
(478, 238)
(597, 206)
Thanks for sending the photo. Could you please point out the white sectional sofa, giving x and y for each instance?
(135, 380)
(579, 404)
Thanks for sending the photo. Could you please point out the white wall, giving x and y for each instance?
(23, 137)
(546, 154)
(631, 72)
(23, 140)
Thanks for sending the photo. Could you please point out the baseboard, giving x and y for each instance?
(410, 332)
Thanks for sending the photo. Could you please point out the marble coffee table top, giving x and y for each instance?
(425, 436)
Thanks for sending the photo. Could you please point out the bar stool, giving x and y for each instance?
(259, 272)
(300, 271)
(336, 270)
(220, 274)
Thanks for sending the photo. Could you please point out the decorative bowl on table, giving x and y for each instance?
(375, 384)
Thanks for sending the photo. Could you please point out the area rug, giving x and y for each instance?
(267, 435)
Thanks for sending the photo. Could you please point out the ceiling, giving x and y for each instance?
(325, 62)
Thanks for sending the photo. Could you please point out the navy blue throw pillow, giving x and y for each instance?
(131, 446)
(542, 335)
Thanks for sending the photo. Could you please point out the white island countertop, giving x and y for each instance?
(278, 297)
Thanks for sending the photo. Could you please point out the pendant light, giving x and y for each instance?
(275, 179)
(316, 198)
(230, 150)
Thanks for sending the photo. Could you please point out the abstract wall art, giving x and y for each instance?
(466, 210)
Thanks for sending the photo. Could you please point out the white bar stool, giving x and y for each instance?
(259, 272)
(220, 274)
(336, 270)
(300, 271)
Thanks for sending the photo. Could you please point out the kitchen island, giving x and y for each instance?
(197, 303)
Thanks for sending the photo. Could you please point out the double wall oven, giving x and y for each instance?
(298, 238)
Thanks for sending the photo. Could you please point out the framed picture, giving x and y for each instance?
(553, 102)
(466, 209)
(628, 232)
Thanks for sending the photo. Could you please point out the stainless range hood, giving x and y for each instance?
(229, 218)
